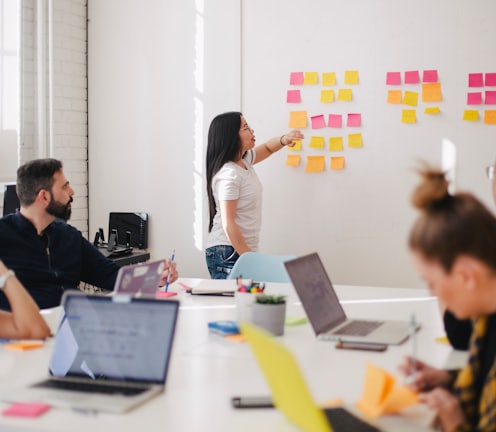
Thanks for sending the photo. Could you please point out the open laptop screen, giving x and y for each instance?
(117, 338)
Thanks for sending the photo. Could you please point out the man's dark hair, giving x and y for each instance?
(34, 176)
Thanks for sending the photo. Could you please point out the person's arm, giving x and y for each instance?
(263, 151)
(231, 228)
(24, 321)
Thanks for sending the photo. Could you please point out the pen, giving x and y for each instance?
(413, 332)
(170, 269)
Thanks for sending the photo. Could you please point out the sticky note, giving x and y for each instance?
(298, 119)
(490, 117)
(311, 78)
(318, 121)
(430, 76)
(470, 115)
(345, 94)
(409, 116)
(336, 143)
(335, 120)
(296, 78)
(490, 97)
(329, 79)
(475, 80)
(24, 345)
(293, 96)
(337, 163)
(351, 77)
(474, 98)
(295, 321)
(317, 142)
(393, 78)
(490, 79)
(432, 110)
(394, 97)
(293, 160)
(355, 140)
(296, 146)
(354, 120)
(411, 98)
(431, 92)
(26, 409)
(412, 77)
(315, 164)
(327, 96)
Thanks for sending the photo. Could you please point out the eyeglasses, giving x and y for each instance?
(490, 172)
(247, 127)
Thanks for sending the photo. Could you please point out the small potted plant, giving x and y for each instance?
(269, 312)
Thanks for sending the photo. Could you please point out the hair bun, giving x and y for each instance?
(432, 190)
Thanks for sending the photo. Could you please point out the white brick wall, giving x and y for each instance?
(66, 112)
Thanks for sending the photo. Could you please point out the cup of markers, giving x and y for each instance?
(245, 297)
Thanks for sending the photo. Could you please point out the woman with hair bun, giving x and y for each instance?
(453, 248)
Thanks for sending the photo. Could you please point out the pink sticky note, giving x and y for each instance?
(412, 77)
(296, 78)
(318, 121)
(293, 96)
(475, 80)
(474, 98)
(490, 98)
(393, 78)
(430, 76)
(354, 120)
(335, 120)
(490, 79)
(25, 409)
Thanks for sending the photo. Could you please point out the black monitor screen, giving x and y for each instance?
(10, 200)
(135, 223)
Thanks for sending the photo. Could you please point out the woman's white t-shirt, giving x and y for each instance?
(232, 182)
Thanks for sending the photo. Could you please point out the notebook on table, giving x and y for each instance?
(290, 392)
(109, 354)
(141, 279)
(327, 316)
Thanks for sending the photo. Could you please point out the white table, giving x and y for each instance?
(206, 370)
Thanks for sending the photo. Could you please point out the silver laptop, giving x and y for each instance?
(325, 313)
(110, 354)
(141, 279)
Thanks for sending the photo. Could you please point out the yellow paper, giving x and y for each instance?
(351, 77)
(471, 115)
(23, 345)
(443, 340)
(409, 116)
(327, 96)
(317, 142)
(329, 79)
(431, 92)
(296, 145)
(298, 119)
(355, 140)
(336, 143)
(490, 117)
(337, 162)
(432, 110)
(293, 160)
(394, 97)
(311, 78)
(315, 164)
(345, 95)
(411, 98)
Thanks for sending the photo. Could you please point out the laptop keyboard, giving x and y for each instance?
(342, 420)
(358, 328)
(91, 387)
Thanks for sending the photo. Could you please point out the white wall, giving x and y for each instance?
(154, 87)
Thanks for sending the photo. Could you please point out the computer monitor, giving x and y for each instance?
(10, 199)
(134, 223)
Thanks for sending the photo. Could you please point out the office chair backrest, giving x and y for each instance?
(261, 267)
(10, 199)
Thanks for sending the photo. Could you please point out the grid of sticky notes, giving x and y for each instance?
(324, 126)
(405, 89)
(482, 92)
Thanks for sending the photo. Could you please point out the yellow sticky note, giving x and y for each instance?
(443, 340)
(336, 143)
(293, 160)
(411, 98)
(23, 345)
(345, 94)
(394, 97)
(351, 77)
(329, 79)
(311, 78)
(296, 146)
(432, 110)
(490, 117)
(337, 162)
(315, 164)
(471, 115)
(317, 142)
(431, 92)
(409, 116)
(355, 140)
(298, 119)
(327, 96)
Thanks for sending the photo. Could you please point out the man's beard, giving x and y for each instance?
(59, 210)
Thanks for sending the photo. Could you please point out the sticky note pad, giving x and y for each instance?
(470, 115)
(432, 110)
(412, 77)
(327, 96)
(354, 120)
(474, 98)
(490, 98)
(490, 117)
(26, 409)
(345, 95)
(23, 345)
(296, 146)
(298, 119)
(337, 162)
(336, 143)
(490, 79)
(317, 142)
(411, 98)
(355, 140)
(394, 97)
(430, 76)
(409, 116)
(335, 120)
(393, 78)
(475, 80)
(311, 78)
(318, 121)
(431, 92)
(296, 78)
(315, 164)
(329, 79)
(351, 77)
(293, 96)
(293, 160)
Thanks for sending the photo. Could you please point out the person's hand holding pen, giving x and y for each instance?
(170, 274)
(422, 377)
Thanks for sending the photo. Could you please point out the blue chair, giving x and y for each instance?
(261, 267)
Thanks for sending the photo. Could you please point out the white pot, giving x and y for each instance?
(270, 317)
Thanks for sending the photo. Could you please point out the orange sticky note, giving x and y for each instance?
(329, 79)
(336, 143)
(317, 142)
(490, 117)
(351, 77)
(311, 78)
(394, 97)
(345, 95)
(337, 162)
(409, 116)
(431, 92)
(293, 160)
(355, 140)
(470, 115)
(298, 119)
(315, 164)
(327, 96)
(24, 345)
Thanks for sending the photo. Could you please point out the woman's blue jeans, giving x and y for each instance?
(220, 260)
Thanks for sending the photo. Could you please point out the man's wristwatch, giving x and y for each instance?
(5, 277)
